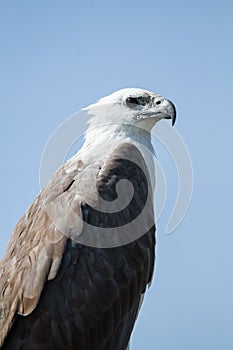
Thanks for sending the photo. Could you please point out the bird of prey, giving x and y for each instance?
(75, 272)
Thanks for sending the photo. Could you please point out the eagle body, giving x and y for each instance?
(74, 273)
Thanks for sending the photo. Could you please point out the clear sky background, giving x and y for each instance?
(58, 56)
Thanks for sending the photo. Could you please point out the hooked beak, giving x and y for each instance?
(170, 112)
(161, 109)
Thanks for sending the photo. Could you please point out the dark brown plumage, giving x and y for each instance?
(93, 299)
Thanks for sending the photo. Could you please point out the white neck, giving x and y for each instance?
(112, 134)
(100, 142)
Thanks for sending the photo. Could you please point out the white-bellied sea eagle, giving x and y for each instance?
(79, 260)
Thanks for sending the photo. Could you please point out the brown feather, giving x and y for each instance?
(70, 295)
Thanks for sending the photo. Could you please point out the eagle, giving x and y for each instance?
(79, 260)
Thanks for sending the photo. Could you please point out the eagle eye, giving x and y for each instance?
(137, 101)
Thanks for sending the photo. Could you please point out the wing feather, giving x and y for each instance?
(82, 297)
(34, 252)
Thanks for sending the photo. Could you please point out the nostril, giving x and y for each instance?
(158, 102)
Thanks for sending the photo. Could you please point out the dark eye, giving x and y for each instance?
(137, 101)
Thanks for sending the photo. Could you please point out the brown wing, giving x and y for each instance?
(92, 297)
(33, 254)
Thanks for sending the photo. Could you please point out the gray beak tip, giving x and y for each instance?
(174, 113)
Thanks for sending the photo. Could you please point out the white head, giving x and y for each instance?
(133, 106)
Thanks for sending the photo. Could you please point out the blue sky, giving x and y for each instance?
(58, 56)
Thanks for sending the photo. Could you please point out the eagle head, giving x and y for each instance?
(133, 106)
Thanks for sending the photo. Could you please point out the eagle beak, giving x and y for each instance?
(170, 112)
